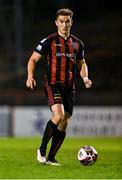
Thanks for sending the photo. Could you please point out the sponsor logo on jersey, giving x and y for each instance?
(70, 55)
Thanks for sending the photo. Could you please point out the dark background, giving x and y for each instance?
(23, 23)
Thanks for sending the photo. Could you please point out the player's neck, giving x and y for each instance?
(65, 36)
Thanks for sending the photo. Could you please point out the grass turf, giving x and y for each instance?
(18, 159)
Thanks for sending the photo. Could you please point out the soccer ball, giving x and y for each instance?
(87, 155)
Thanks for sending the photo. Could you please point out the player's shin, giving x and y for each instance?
(48, 133)
(57, 141)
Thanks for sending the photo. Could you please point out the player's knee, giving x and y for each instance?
(62, 126)
(58, 117)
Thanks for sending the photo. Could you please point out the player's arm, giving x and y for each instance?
(84, 73)
(31, 82)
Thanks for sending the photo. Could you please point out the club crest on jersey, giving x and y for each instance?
(74, 45)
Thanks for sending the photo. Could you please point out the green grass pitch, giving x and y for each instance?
(18, 159)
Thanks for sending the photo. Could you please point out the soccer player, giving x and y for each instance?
(62, 52)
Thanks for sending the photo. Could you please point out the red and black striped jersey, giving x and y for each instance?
(61, 57)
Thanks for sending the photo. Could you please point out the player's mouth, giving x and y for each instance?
(65, 29)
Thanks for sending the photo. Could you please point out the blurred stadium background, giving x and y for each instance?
(22, 25)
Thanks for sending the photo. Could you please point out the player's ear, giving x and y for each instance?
(71, 22)
(56, 22)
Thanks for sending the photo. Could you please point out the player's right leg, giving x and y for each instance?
(57, 115)
(60, 133)
(57, 140)
(50, 129)
(40, 158)
(48, 133)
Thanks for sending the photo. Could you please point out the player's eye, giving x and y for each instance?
(61, 21)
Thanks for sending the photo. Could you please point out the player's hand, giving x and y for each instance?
(87, 82)
(30, 83)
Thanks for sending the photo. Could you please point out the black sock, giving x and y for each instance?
(57, 141)
(48, 133)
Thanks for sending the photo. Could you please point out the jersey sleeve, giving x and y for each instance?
(43, 46)
(80, 53)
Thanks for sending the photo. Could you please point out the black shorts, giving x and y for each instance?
(60, 94)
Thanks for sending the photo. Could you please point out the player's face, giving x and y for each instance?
(63, 24)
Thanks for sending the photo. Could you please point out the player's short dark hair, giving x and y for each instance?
(64, 12)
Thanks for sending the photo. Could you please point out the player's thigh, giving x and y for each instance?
(68, 102)
(57, 109)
